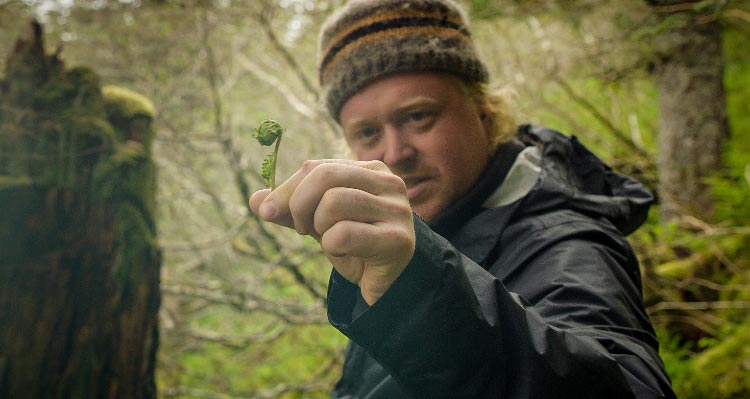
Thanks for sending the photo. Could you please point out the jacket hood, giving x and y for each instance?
(574, 178)
(566, 176)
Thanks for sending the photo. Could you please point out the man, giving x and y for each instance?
(511, 278)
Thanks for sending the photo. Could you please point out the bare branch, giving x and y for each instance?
(295, 67)
(282, 50)
(691, 320)
(273, 393)
(671, 8)
(234, 341)
(272, 81)
(661, 306)
(693, 223)
(8, 3)
(290, 312)
(739, 14)
(718, 287)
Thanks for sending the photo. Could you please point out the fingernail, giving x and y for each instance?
(267, 210)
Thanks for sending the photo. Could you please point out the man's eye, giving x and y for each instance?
(365, 136)
(418, 116)
(367, 132)
(419, 120)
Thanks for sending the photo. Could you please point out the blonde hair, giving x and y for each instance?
(500, 109)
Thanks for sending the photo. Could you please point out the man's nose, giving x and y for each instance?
(398, 148)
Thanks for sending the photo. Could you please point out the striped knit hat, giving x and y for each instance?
(369, 39)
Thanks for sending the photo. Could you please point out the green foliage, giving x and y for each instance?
(676, 356)
(14, 181)
(267, 133)
(230, 361)
(484, 8)
(724, 366)
(731, 190)
(267, 170)
(716, 368)
(704, 347)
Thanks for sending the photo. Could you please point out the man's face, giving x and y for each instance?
(426, 129)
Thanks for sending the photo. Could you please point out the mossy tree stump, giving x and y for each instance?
(79, 262)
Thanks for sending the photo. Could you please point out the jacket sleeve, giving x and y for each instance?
(447, 328)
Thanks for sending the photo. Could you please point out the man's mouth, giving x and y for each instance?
(415, 186)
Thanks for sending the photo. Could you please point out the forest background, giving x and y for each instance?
(242, 303)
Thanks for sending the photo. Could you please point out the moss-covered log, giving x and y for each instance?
(79, 261)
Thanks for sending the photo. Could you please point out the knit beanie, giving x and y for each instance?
(369, 39)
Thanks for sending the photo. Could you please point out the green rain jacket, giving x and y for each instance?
(524, 289)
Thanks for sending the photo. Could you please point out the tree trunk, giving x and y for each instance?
(692, 108)
(79, 264)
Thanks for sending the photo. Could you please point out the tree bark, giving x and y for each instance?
(692, 109)
(79, 264)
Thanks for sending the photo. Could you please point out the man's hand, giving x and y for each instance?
(357, 210)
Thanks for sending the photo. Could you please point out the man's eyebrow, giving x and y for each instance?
(398, 111)
(355, 124)
(415, 102)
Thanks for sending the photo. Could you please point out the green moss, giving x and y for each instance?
(92, 132)
(69, 151)
(86, 95)
(131, 114)
(136, 242)
(128, 173)
(725, 367)
(122, 103)
(682, 268)
(15, 181)
(76, 91)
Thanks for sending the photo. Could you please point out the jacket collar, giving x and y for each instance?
(470, 204)
(464, 223)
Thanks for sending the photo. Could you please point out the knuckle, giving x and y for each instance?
(333, 205)
(377, 165)
(324, 171)
(394, 181)
(309, 165)
(334, 197)
(323, 214)
(405, 213)
(393, 207)
(405, 240)
(337, 240)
